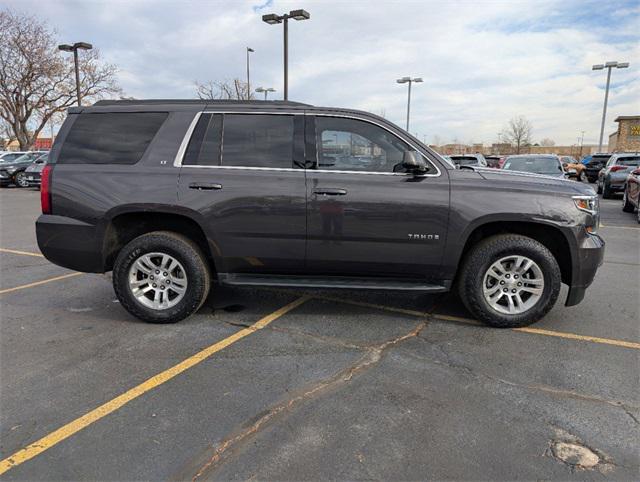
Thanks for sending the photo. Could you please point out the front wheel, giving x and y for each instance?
(627, 207)
(606, 191)
(582, 177)
(161, 277)
(509, 281)
(599, 187)
(20, 179)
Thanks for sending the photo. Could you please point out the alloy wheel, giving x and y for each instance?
(513, 284)
(157, 280)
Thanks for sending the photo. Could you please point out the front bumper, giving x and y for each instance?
(33, 178)
(5, 178)
(588, 258)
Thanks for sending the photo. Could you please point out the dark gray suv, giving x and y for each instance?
(175, 195)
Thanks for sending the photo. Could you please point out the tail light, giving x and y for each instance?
(45, 189)
(617, 168)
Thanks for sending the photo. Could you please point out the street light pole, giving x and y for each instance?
(74, 48)
(249, 49)
(266, 91)
(409, 80)
(273, 19)
(608, 65)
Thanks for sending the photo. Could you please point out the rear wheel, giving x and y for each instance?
(599, 187)
(509, 281)
(606, 190)
(627, 207)
(161, 277)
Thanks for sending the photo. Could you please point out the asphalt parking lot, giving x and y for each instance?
(276, 384)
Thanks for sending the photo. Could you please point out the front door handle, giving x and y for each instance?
(329, 191)
(205, 186)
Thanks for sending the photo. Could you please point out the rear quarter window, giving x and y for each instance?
(110, 138)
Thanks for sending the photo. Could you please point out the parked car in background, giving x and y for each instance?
(34, 171)
(9, 156)
(611, 179)
(477, 160)
(596, 163)
(545, 164)
(493, 161)
(12, 172)
(631, 195)
(585, 160)
(570, 164)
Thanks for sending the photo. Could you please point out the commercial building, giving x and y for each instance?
(627, 137)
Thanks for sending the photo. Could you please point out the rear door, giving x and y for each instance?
(239, 173)
(365, 215)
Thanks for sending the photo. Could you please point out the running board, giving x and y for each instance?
(328, 282)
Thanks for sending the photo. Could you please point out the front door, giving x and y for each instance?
(366, 216)
(247, 190)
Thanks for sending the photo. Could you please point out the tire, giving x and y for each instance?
(592, 179)
(20, 179)
(627, 207)
(606, 190)
(475, 267)
(582, 177)
(599, 186)
(192, 270)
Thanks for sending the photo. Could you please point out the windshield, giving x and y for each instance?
(629, 161)
(537, 165)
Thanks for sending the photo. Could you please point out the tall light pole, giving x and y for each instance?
(74, 48)
(266, 91)
(609, 65)
(409, 80)
(249, 49)
(273, 19)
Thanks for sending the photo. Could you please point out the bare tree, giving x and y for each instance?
(37, 82)
(226, 90)
(517, 133)
(546, 142)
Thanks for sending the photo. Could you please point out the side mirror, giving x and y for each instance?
(413, 162)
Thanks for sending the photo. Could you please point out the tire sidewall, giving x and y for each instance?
(197, 285)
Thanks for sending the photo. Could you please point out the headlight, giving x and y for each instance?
(590, 205)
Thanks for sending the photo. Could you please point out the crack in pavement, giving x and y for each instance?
(373, 354)
(625, 406)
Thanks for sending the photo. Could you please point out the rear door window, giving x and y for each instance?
(110, 138)
(258, 140)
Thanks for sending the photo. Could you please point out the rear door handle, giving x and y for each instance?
(330, 191)
(205, 186)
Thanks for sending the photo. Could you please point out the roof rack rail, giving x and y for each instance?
(198, 101)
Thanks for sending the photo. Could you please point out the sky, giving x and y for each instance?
(483, 62)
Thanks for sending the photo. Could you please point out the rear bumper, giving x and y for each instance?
(70, 243)
(33, 178)
(589, 257)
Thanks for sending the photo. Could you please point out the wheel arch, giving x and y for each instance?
(128, 222)
(549, 235)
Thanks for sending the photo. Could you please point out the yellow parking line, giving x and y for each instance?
(572, 336)
(559, 334)
(38, 283)
(23, 253)
(111, 406)
(618, 227)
